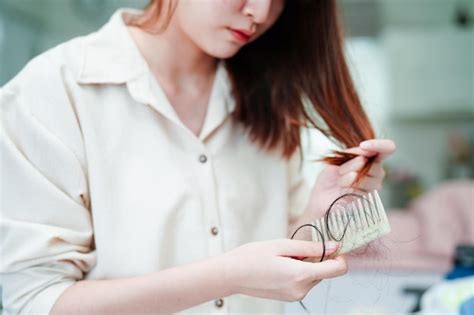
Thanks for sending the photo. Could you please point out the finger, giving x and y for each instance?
(328, 268)
(350, 171)
(376, 170)
(299, 248)
(378, 145)
(359, 151)
(353, 165)
(384, 147)
(347, 180)
(370, 183)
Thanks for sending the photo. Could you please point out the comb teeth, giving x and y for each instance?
(361, 222)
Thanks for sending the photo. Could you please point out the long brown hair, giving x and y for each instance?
(293, 76)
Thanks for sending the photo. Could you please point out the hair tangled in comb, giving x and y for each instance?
(328, 229)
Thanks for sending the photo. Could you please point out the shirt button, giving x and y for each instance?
(219, 302)
(202, 158)
(214, 230)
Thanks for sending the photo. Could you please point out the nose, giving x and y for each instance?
(258, 10)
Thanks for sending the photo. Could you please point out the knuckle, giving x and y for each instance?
(343, 268)
(313, 249)
(344, 271)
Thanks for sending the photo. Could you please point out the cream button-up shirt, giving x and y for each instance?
(102, 180)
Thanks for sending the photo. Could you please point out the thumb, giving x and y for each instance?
(299, 248)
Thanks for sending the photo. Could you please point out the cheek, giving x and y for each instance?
(213, 40)
(200, 18)
(204, 23)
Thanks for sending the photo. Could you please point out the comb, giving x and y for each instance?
(358, 223)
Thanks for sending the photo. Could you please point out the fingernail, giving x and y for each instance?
(365, 145)
(330, 245)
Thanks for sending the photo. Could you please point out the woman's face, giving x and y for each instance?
(221, 27)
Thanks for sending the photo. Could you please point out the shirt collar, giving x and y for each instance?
(111, 56)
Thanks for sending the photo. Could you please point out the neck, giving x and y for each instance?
(173, 57)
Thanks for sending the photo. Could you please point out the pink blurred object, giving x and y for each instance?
(425, 235)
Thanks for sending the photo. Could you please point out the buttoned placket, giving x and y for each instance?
(208, 193)
(202, 157)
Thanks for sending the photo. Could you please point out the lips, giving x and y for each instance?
(241, 35)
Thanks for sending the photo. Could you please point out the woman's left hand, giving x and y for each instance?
(334, 181)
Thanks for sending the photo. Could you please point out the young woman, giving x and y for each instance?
(154, 166)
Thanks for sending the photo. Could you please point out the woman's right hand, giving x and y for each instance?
(269, 269)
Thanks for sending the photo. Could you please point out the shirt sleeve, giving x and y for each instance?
(299, 187)
(46, 230)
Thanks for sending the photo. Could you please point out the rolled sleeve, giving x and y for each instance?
(46, 229)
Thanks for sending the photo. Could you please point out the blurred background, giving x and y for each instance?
(413, 65)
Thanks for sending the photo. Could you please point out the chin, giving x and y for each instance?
(223, 52)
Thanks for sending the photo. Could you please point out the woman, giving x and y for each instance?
(154, 165)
